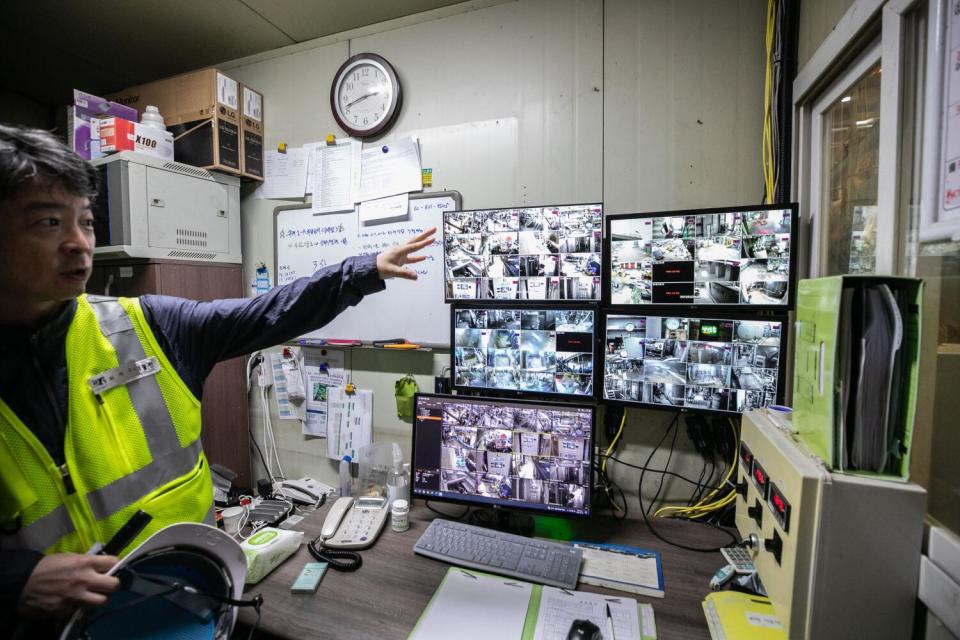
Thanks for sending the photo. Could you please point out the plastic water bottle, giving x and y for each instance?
(151, 118)
(345, 481)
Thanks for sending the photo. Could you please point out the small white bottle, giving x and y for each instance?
(400, 515)
(151, 118)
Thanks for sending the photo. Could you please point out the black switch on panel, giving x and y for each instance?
(756, 512)
(774, 545)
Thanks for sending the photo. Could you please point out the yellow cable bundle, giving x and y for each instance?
(767, 147)
(704, 507)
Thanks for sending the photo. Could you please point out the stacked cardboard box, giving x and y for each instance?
(251, 137)
(202, 110)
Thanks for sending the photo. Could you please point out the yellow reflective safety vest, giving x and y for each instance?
(132, 442)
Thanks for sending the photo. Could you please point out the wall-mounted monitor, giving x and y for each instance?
(529, 350)
(524, 253)
(511, 454)
(694, 363)
(730, 258)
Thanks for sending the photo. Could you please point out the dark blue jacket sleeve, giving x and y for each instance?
(17, 565)
(198, 335)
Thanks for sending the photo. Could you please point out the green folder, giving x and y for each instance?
(856, 363)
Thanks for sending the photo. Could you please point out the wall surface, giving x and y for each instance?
(817, 19)
(643, 105)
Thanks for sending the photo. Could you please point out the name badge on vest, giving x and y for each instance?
(124, 374)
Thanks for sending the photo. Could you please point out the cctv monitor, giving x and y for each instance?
(734, 258)
(524, 253)
(724, 365)
(530, 456)
(513, 350)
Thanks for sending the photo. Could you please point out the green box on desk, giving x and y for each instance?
(854, 396)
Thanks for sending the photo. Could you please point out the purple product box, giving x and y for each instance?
(87, 106)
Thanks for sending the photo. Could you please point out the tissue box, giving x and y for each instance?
(266, 549)
(117, 134)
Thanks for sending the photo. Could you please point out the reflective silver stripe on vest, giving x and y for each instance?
(40, 534)
(144, 393)
(126, 490)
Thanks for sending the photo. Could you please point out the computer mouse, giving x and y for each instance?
(584, 630)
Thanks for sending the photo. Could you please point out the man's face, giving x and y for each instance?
(47, 233)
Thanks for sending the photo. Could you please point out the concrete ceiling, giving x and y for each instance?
(50, 47)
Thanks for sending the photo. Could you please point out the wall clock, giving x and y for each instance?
(365, 95)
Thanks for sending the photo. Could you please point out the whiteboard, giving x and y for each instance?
(414, 310)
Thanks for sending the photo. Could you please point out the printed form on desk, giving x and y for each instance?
(472, 605)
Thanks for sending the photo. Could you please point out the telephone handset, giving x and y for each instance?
(354, 524)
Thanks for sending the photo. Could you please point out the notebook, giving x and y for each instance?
(732, 615)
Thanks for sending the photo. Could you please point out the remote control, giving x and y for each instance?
(740, 559)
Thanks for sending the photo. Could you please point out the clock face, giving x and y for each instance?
(365, 95)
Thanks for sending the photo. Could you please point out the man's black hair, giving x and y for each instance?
(34, 154)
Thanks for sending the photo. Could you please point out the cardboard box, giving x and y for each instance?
(117, 134)
(251, 128)
(87, 107)
(201, 109)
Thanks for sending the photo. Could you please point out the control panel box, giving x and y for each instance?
(838, 554)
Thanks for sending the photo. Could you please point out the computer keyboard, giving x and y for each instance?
(504, 553)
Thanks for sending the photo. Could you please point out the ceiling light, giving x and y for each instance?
(846, 99)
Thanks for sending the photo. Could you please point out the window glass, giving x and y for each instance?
(851, 143)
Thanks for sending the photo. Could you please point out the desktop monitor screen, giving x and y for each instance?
(515, 454)
(733, 257)
(521, 350)
(700, 364)
(529, 253)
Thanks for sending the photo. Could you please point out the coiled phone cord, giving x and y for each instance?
(338, 559)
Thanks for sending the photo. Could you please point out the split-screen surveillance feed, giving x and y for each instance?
(736, 258)
(532, 253)
(697, 363)
(534, 456)
(524, 349)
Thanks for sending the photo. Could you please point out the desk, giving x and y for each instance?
(385, 597)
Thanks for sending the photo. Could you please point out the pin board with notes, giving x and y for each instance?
(415, 310)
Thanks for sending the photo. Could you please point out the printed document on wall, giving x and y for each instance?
(318, 385)
(285, 409)
(284, 174)
(335, 170)
(389, 169)
(349, 421)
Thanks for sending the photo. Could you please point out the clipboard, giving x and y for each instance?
(501, 607)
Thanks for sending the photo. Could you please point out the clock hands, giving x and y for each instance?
(364, 97)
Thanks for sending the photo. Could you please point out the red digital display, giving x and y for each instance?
(760, 479)
(746, 457)
(779, 506)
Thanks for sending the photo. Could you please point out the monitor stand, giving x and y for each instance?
(520, 524)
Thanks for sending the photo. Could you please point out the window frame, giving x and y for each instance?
(867, 28)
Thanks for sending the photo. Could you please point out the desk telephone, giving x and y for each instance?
(354, 524)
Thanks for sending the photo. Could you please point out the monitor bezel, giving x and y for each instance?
(518, 393)
(783, 319)
(607, 263)
(603, 247)
(497, 505)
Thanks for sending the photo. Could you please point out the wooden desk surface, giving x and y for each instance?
(385, 597)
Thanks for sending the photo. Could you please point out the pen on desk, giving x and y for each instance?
(610, 624)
